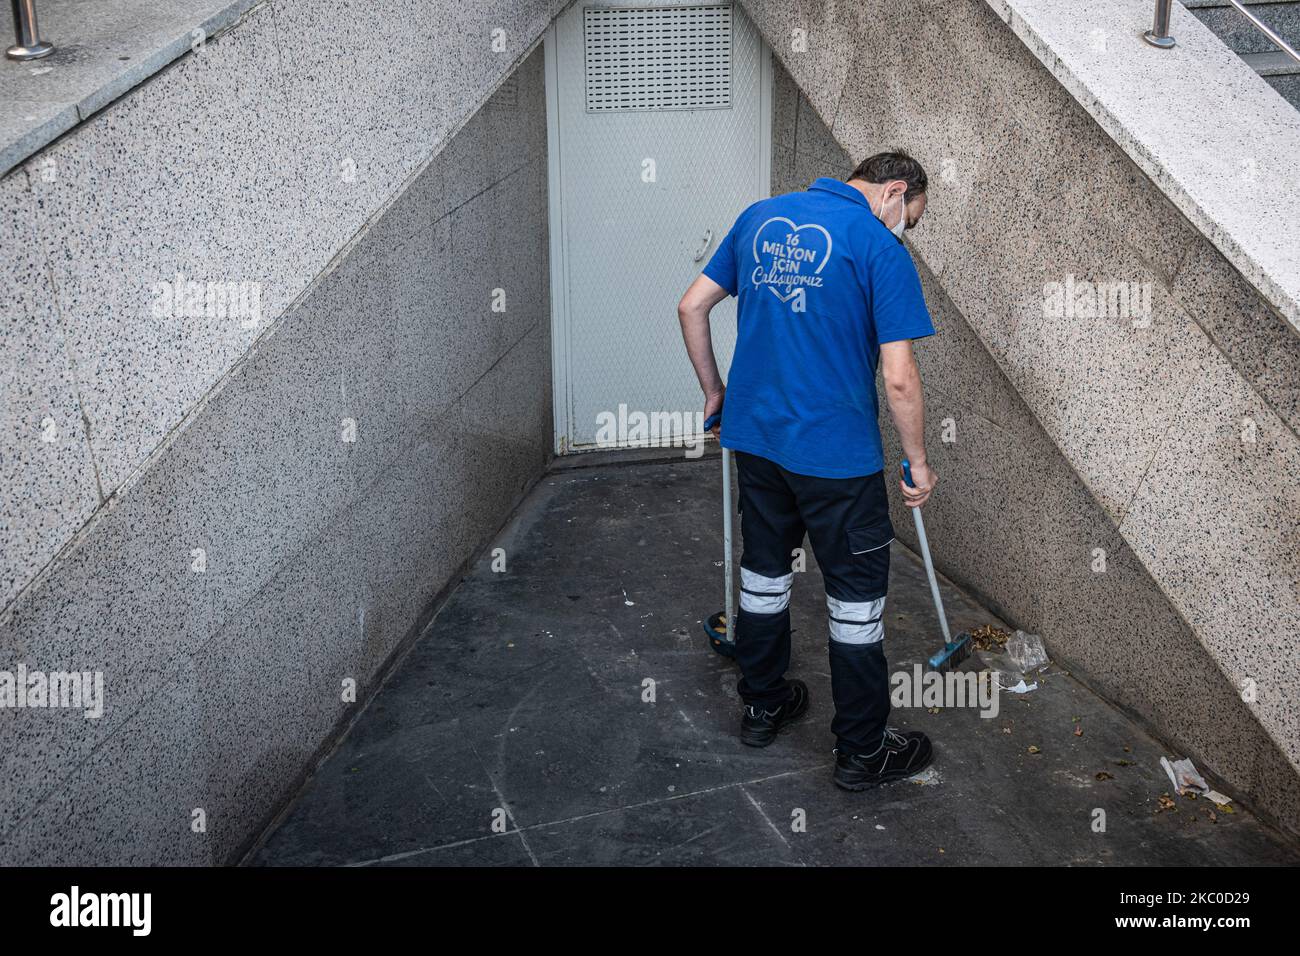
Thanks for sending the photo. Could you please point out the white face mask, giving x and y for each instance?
(902, 216)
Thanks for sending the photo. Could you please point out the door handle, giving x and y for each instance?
(708, 237)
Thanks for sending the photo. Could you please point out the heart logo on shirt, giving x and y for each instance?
(789, 258)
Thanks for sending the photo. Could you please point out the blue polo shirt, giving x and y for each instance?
(820, 284)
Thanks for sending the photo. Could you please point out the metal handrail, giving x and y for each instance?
(1159, 35)
(27, 33)
(1265, 29)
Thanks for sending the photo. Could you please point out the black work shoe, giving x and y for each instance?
(901, 754)
(760, 727)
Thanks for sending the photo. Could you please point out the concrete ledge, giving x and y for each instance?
(1225, 156)
(100, 52)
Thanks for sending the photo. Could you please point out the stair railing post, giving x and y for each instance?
(27, 33)
(1158, 35)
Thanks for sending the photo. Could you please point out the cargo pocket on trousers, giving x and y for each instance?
(872, 537)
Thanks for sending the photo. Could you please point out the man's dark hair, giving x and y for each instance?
(887, 167)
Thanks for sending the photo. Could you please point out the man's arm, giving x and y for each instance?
(693, 313)
(907, 406)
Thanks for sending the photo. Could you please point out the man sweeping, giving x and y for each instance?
(826, 293)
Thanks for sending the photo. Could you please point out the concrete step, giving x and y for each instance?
(1281, 72)
(1272, 63)
(1242, 36)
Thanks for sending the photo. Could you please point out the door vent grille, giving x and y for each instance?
(657, 58)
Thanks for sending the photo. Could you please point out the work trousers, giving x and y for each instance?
(847, 523)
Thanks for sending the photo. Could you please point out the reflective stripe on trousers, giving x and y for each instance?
(760, 594)
(856, 622)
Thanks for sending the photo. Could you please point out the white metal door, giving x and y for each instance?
(659, 134)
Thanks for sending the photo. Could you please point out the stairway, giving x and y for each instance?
(1244, 39)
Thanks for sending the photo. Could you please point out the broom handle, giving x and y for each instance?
(925, 555)
(726, 545)
(729, 608)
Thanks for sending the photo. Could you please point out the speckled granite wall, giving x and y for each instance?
(319, 554)
(286, 132)
(1081, 435)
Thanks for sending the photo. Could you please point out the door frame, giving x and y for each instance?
(561, 380)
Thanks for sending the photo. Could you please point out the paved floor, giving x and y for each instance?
(522, 706)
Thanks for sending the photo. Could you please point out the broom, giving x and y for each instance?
(953, 652)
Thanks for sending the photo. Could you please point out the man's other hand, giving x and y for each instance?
(713, 405)
(925, 479)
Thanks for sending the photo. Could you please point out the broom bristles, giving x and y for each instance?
(952, 654)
